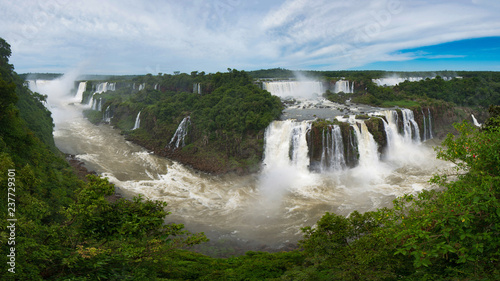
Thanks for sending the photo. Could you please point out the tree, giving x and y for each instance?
(5, 52)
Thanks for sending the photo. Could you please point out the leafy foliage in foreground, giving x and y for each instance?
(68, 229)
(453, 233)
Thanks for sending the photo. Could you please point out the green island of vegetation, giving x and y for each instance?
(70, 229)
(227, 118)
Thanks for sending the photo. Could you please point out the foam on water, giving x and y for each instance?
(269, 207)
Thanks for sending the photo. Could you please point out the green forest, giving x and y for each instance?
(67, 228)
(227, 118)
(466, 88)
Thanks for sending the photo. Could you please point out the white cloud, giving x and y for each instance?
(132, 36)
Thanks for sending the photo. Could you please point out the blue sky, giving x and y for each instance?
(151, 36)
(468, 54)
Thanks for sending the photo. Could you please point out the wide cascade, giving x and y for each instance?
(95, 102)
(343, 86)
(286, 144)
(294, 88)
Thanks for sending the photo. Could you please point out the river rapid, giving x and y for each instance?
(267, 208)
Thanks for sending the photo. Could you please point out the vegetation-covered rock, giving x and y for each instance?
(376, 127)
(316, 137)
(226, 120)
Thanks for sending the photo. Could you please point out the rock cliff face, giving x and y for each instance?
(322, 146)
(376, 127)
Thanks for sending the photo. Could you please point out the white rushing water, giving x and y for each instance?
(344, 86)
(306, 89)
(332, 155)
(477, 124)
(294, 88)
(137, 121)
(96, 102)
(178, 140)
(196, 88)
(269, 207)
(393, 81)
(82, 86)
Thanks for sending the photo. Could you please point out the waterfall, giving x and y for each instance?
(403, 148)
(294, 88)
(411, 131)
(181, 133)
(156, 86)
(430, 124)
(286, 145)
(424, 135)
(427, 134)
(298, 145)
(96, 103)
(90, 100)
(197, 88)
(107, 115)
(137, 121)
(79, 93)
(332, 156)
(393, 81)
(102, 87)
(389, 133)
(343, 86)
(352, 156)
(142, 86)
(475, 121)
(286, 159)
(93, 104)
(367, 147)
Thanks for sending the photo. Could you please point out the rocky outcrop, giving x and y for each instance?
(317, 138)
(376, 127)
(443, 116)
